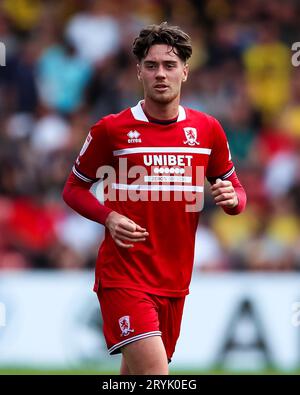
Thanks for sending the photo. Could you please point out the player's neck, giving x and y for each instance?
(159, 110)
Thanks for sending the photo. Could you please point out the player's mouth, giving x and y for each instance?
(161, 88)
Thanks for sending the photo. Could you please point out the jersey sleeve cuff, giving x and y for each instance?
(223, 176)
(82, 176)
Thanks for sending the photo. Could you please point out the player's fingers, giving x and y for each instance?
(223, 197)
(219, 183)
(127, 224)
(131, 239)
(131, 235)
(121, 244)
(125, 232)
(222, 185)
(132, 226)
(226, 203)
(220, 191)
(140, 229)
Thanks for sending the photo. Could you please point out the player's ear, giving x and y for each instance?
(138, 68)
(185, 72)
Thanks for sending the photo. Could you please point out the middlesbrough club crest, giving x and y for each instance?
(191, 136)
(124, 323)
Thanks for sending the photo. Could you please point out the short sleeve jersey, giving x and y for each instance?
(153, 174)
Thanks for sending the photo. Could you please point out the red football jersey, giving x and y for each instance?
(154, 176)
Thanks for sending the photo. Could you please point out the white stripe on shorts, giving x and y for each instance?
(134, 338)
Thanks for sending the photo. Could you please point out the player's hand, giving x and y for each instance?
(224, 194)
(123, 229)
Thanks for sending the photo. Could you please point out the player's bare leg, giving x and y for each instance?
(146, 356)
(124, 368)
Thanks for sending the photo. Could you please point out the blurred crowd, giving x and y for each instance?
(68, 63)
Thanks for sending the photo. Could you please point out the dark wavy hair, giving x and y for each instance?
(173, 36)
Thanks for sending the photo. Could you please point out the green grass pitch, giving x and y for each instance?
(82, 371)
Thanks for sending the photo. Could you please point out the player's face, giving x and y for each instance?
(162, 73)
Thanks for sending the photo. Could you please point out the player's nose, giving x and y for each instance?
(160, 72)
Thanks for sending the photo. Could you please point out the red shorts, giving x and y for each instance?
(130, 315)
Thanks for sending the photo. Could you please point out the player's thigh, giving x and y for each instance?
(146, 356)
(128, 316)
(124, 369)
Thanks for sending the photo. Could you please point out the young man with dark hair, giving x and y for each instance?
(145, 263)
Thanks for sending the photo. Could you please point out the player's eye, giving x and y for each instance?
(150, 66)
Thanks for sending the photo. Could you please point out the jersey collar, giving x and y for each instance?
(139, 115)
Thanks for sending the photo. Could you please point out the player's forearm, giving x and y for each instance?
(241, 196)
(77, 195)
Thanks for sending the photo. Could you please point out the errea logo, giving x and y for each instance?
(134, 137)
